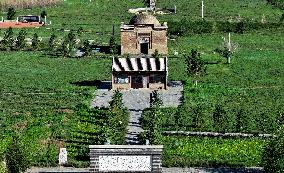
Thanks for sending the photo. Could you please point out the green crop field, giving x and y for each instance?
(39, 94)
(202, 151)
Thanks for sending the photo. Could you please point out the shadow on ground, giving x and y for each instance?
(95, 83)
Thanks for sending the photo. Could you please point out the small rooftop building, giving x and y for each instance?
(139, 72)
(143, 35)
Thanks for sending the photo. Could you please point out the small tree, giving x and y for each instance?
(155, 100)
(273, 155)
(113, 45)
(80, 31)
(8, 40)
(65, 50)
(195, 65)
(151, 119)
(35, 42)
(228, 48)
(43, 14)
(87, 48)
(197, 117)
(156, 54)
(51, 42)
(219, 117)
(11, 14)
(240, 27)
(68, 44)
(281, 18)
(21, 43)
(118, 120)
(16, 157)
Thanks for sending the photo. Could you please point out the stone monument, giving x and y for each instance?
(62, 156)
(126, 158)
(152, 5)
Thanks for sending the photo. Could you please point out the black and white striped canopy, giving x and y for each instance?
(139, 64)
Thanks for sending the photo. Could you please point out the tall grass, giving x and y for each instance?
(27, 3)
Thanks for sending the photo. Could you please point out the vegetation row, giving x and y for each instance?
(187, 27)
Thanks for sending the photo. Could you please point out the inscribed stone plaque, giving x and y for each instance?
(124, 163)
(62, 156)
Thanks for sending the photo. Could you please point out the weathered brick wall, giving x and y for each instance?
(130, 40)
(159, 42)
(126, 158)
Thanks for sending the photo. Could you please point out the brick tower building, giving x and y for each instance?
(143, 35)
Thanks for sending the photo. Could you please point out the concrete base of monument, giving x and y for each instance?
(126, 158)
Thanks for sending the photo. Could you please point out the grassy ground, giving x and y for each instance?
(253, 81)
(46, 83)
(37, 97)
(198, 151)
(37, 91)
(98, 17)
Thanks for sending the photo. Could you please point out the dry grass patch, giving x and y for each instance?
(27, 3)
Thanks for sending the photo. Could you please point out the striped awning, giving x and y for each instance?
(139, 64)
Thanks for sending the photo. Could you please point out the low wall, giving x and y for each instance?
(120, 86)
(126, 158)
(156, 86)
(20, 25)
(216, 134)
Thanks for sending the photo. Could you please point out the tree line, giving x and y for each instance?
(54, 46)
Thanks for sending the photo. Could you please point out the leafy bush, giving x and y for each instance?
(186, 27)
(151, 120)
(277, 3)
(11, 14)
(96, 127)
(35, 42)
(273, 156)
(16, 156)
(118, 120)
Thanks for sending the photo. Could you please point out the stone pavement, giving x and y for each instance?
(136, 100)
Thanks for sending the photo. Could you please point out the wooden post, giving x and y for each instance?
(45, 20)
(229, 43)
(175, 9)
(112, 30)
(202, 10)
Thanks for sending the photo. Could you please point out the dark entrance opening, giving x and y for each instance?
(144, 48)
(137, 81)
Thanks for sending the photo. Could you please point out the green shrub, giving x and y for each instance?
(16, 156)
(11, 13)
(151, 121)
(35, 42)
(185, 27)
(21, 43)
(273, 155)
(118, 120)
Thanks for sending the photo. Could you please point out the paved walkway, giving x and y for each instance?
(165, 170)
(136, 100)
